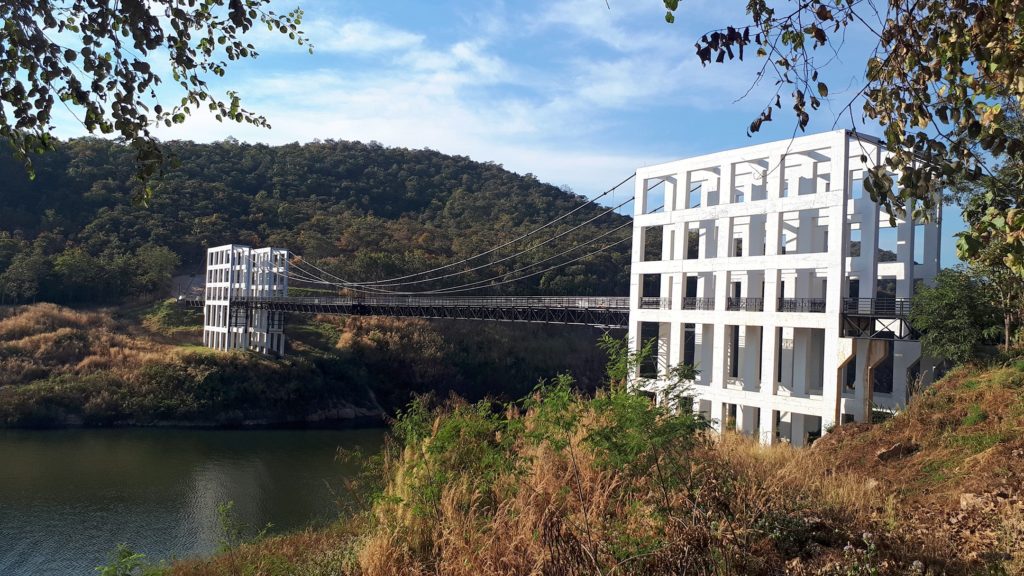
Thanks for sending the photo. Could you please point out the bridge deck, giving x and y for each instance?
(883, 318)
(599, 311)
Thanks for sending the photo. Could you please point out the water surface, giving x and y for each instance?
(68, 497)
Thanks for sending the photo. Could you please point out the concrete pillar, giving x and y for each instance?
(752, 358)
(768, 430)
(717, 416)
(757, 241)
(801, 360)
(747, 417)
(798, 429)
(726, 191)
(838, 230)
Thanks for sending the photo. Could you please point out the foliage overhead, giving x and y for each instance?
(102, 61)
(934, 82)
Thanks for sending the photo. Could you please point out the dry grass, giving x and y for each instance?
(44, 340)
(738, 508)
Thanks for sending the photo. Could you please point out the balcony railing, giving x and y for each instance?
(801, 305)
(655, 303)
(698, 303)
(885, 307)
(745, 304)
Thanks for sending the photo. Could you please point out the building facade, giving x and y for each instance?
(236, 274)
(751, 263)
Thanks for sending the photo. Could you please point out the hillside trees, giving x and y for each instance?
(935, 80)
(955, 315)
(348, 207)
(104, 62)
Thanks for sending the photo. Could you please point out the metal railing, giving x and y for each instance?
(801, 305)
(886, 307)
(655, 303)
(745, 304)
(698, 303)
(587, 302)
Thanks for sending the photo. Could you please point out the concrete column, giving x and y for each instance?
(838, 232)
(718, 363)
(905, 256)
(671, 194)
(768, 429)
(776, 176)
(752, 358)
(640, 198)
(725, 227)
(747, 419)
(717, 416)
(727, 180)
(904, 355)
(675, 339)
(801, 360)
(769, 362)
(797, 429)
(757, 240)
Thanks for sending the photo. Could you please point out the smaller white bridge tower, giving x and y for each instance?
(237, 274)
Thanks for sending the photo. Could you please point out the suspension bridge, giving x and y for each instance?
(246, 292)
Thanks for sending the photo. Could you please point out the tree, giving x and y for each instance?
(955, 316)
(97, 58)
(934, 82)
(155, 266)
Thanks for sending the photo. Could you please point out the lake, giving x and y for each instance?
(68, 497)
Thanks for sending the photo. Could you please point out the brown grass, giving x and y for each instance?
(46, 340)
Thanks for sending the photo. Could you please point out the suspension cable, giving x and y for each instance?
(508, 243)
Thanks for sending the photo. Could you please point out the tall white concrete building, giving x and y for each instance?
(235, 276)
(772, 271)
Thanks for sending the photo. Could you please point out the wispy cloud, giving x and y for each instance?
(360, 37)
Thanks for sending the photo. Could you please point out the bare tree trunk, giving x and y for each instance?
(1006, 332)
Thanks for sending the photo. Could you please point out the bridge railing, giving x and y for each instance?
(655, 303)
(801, 305)
(579, 302)
(698, 303)
(888, 307)
(745, 304)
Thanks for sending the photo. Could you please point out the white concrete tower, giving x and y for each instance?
(747, 263)
(237, 277)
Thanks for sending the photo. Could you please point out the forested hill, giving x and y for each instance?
(364, 211)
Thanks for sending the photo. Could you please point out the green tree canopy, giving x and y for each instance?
(955, 315)
(935, 81)
(99, 60)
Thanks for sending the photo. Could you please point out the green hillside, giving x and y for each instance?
(78, 234)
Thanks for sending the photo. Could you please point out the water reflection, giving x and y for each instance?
(68, 497)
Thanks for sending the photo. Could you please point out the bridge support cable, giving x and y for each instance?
(504, 259)
(508, 243)
(382, 286)
(501, 279)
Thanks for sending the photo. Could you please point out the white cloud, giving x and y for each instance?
(360, 37)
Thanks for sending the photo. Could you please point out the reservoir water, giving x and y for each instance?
(68, 497)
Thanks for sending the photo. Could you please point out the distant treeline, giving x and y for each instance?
(78, 234)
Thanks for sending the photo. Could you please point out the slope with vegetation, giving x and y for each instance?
(140, 366)
(562, 484)
(75, 236)
(363, 211)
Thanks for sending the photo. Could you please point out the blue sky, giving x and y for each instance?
(574, 91)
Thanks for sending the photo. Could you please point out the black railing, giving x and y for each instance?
(698, 303)
(801, 305)
(745, 304)
(886, 307)
(655, 303)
